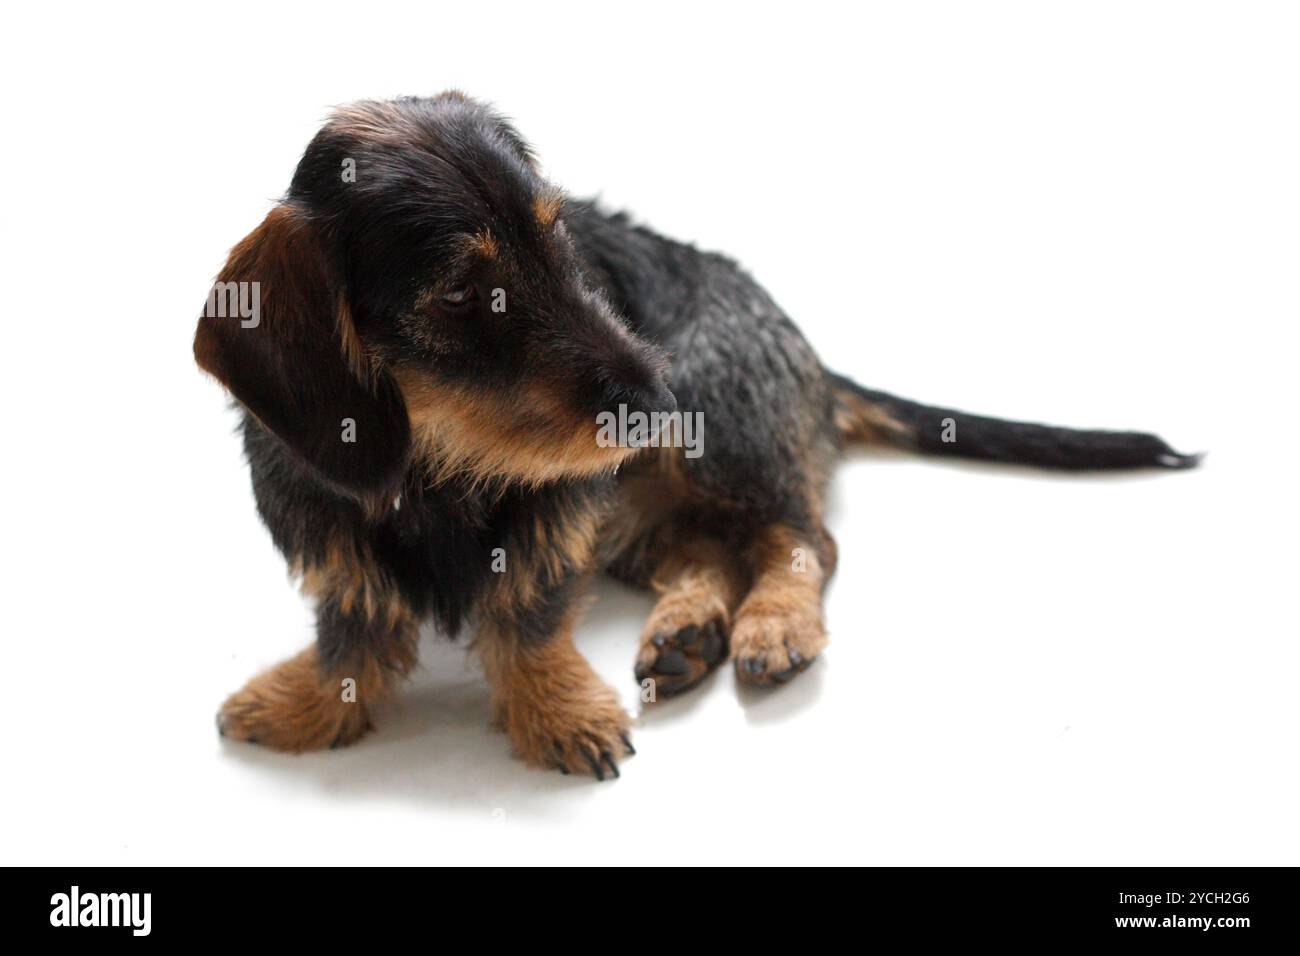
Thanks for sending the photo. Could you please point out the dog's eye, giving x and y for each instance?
(462, 295)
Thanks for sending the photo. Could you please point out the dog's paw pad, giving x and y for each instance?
(677, 660)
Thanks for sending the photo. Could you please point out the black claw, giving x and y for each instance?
(672, 663)
(782, 676)
(628, 744)
(557, 757)
(795, 658)
(556, 754)
(595, 767)
(753, 665)
(608, 758)
(689, 634)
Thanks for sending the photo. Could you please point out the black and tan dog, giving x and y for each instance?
(437, 331)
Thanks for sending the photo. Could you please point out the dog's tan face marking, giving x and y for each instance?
(483, 245)
(531, 436)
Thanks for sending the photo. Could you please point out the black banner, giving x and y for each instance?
(1223, 907)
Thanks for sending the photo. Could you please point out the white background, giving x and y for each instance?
(1083, 213)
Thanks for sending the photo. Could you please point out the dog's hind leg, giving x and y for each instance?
(700, 582)
(661, 540)
(366, 639)
(780, 627)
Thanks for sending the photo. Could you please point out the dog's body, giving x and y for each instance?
(472, 488)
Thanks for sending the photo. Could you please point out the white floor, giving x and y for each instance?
(1081, 217)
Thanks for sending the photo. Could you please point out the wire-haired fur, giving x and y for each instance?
(438, 330)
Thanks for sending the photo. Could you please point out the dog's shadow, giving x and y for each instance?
(434, 744)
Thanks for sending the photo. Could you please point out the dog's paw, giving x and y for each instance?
(771, 648)
(291, 708)
(582, 732)
(677, 656)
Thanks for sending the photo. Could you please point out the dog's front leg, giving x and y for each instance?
(545, 696)
(366, 638)
(557, 712)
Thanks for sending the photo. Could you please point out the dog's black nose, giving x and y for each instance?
(651, 399)
(654, 401)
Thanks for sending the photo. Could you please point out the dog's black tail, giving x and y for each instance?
(866, 415)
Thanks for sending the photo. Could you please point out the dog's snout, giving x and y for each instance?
(619, 372)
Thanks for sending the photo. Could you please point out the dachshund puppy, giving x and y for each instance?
(424, 336)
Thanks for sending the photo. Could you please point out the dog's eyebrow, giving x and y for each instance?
(482, 244)
(547, 206)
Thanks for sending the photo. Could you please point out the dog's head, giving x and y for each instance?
(416, 295)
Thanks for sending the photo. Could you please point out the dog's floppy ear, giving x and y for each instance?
(277, 332)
